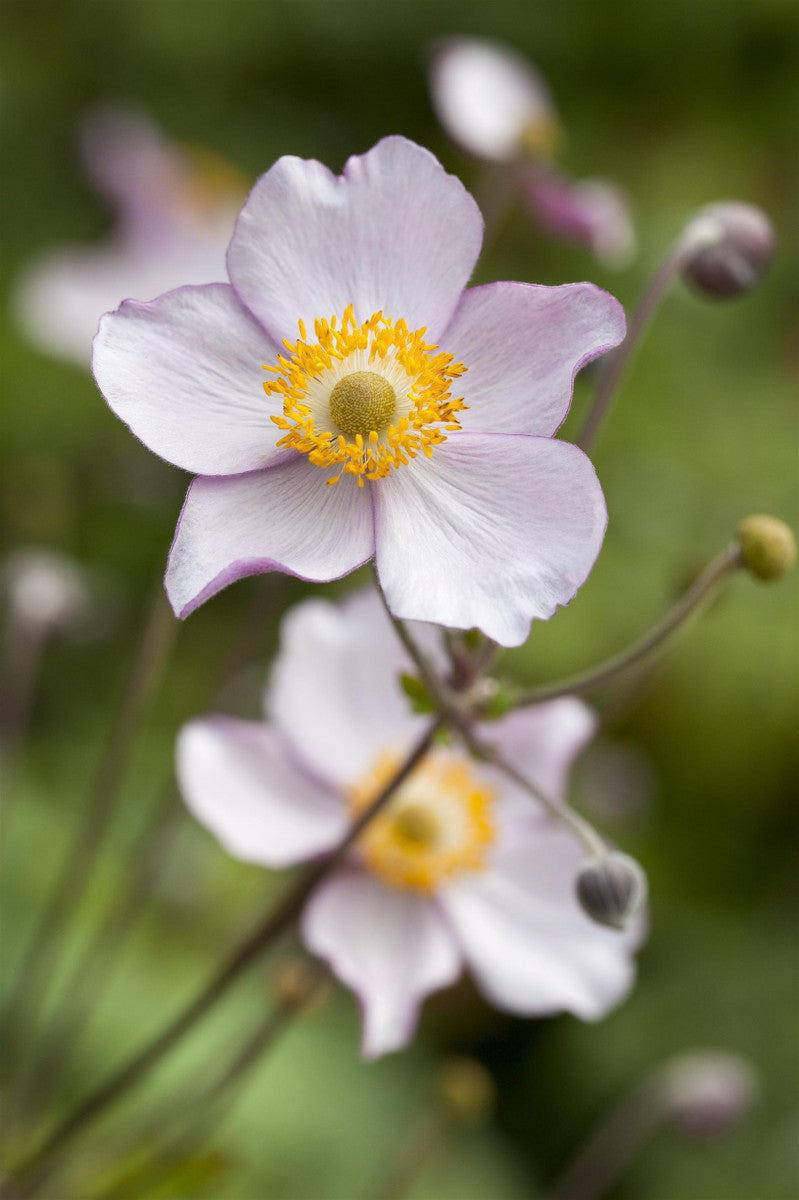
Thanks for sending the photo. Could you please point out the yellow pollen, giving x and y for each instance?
(362, 402)
(438, 825)
(364, 398)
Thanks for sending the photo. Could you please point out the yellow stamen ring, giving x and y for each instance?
(364, 397)
(438, 825)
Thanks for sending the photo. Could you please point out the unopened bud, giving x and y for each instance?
(729, 247)
(465, 1089)
(768, 547)
(297, 985)
(46, 591)
(707, 1094)
(611, 889)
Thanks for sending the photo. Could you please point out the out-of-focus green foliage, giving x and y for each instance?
(682, 103)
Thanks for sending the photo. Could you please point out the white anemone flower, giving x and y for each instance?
(490, 99)
(346, 397)
(460, 870)
(174, 206)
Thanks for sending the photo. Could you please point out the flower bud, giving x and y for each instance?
(465, 1089)
(611, 889)
(729, 247)
(709, 1093)
(46, 591)
(297, 985)
(768, 547)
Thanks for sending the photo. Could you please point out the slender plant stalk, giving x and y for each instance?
(677, 617)
(205, 1110)
(417, 1148)
(558, 809)
(36, 1168)
(71, 884)
(461, 722)
(19, 673)
(614, 363)
(600, 1162)
(96, 965)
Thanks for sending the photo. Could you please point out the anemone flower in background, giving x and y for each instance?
(461, 869)
(174, 206)
(498, 108)
(355, 446)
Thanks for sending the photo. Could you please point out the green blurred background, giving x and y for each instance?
(682, 103)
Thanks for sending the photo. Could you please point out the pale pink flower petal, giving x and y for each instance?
(355, 710)
(522, 345)
(284, 519)
(591, 212)
(185, 373)
(391, 947)
(544, 740)
(493, 531)
(531, 948)
(240, 783)
(171, 229)
(394, 233)
(487, 97)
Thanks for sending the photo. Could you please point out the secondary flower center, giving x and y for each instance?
(361, 402)
(364, 398)
(438, 825)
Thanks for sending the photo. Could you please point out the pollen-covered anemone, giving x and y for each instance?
(345, 398)
(460, 869)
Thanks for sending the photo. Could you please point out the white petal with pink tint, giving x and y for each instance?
(284, 519)
(185, 372)
(391, 947)
(491, 532)
(239, 781)
(524, 937)
(356, 710)
(544, 740)
(486, 95)
(522, 345)
(394, 233)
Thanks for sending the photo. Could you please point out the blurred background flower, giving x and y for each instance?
(494, 103)
(680, 104)
(174, 208)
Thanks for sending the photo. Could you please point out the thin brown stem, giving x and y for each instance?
(76, 871)
(600, 1162)
(615, 362)
(97, 963)
(677, 617)
(414, 1151)
(558, 809)
(205, 1109)
(35, 1169)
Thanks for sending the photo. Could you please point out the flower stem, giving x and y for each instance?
(36, 1168)
(201, 1113)
(613, 364)
(36, 970)
(720, 569)
(415, 1150)
(600, 1162)
(95, 966)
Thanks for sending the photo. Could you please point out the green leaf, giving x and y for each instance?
(417, 693)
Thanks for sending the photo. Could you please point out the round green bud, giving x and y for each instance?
(297, 984)
(465, 1089)
(611, 889)
(768, 547)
